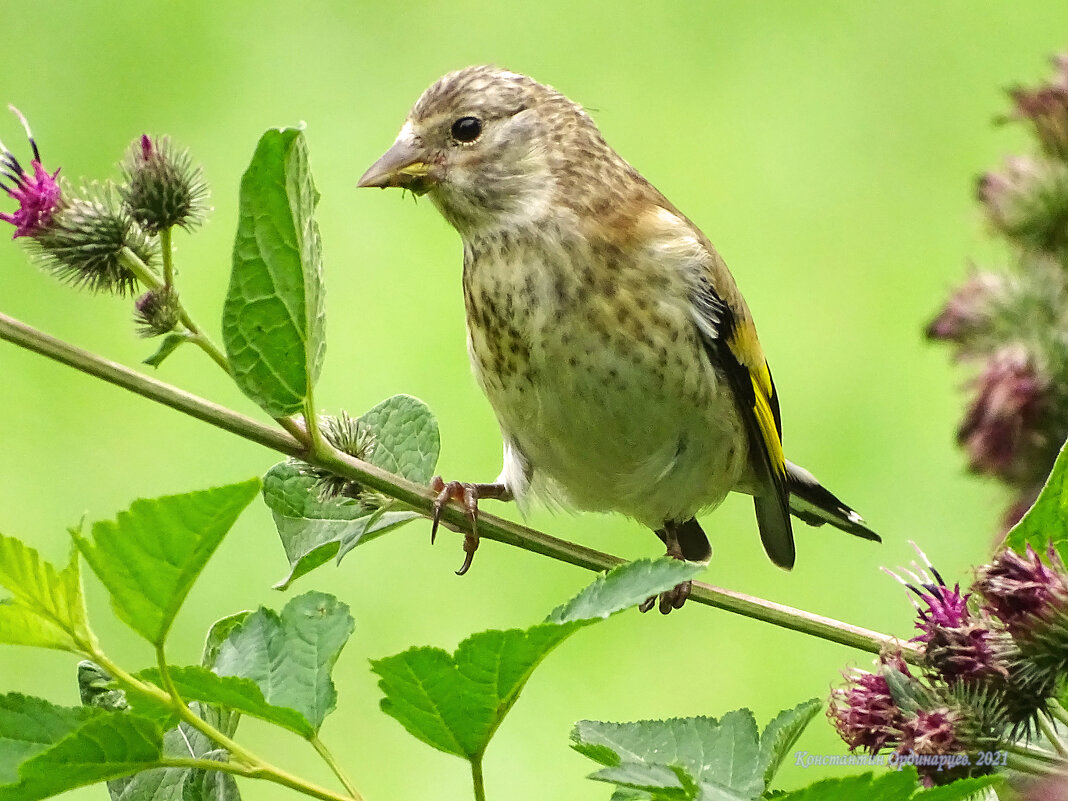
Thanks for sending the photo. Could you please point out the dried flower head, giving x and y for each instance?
(38, 195)
(157, 312)
(87, 239)
(162, 186)
(1002, 428)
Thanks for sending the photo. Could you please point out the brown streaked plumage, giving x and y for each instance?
(612, 342)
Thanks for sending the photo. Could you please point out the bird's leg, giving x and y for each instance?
(677, 595)
(469, 495)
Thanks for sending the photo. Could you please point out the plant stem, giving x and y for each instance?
(148, 277)
(30, 338)
(167, 253)
(421, 499)
(1024, 765)
(266, 773)
(1054, 738)
(1031, 752)
(316, 444)
(476, 778)
(1058, 712)
(328, 758)
(198, 723)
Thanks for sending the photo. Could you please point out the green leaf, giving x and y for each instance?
(659, 782)
(724, 752)
(29, 726)
(173, 784)
(210, 785)
(314, 531)
(225, 720)
(150, 555)
(218, 633)
(47, 608)
(168, 346)
(894, 785)
(781, 734)
(624, 587)
(98, 689)
(98, 746)
(1047, 520)
(290, 656)
(455, 702)
(195, 683)
(961, 790)
(273, 320)
(406, 440)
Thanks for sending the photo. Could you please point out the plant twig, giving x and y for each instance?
(149, 278)
(185, 713)
(1058, 712)
(1032, 752)
(328, 758)
(476, 779)
(167, 255)
(1048, 729)
(421, 499)
(248, 765)
(26, 336)
(272, 775)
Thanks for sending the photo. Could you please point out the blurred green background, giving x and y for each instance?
(828, 149)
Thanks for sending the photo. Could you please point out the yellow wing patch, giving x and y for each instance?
(746, 348)
(765, 418)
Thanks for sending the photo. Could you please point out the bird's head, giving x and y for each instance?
(491, 148)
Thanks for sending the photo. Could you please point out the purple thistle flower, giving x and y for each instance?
(1020, 590)
(958, 644)
(38, 194)
(945, 609)
(864, 711)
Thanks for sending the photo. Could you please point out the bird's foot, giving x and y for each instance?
(677, 595)
(469, 495)
(671, 599)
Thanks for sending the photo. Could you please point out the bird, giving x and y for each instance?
(620, 359)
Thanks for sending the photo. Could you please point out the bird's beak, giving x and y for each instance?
(402, 166)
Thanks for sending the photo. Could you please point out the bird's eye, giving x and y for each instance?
(466, 129)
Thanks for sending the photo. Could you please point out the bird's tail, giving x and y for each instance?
(815, 504)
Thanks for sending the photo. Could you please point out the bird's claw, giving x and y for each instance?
(468, 495)
(670, 599)
(453, 491)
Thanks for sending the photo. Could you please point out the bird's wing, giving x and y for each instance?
(730, 340)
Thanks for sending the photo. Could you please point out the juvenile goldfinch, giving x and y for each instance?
(611, 340)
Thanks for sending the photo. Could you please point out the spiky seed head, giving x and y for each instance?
(163, 187)
(352, 436)
(85, 239)
(157, 312)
